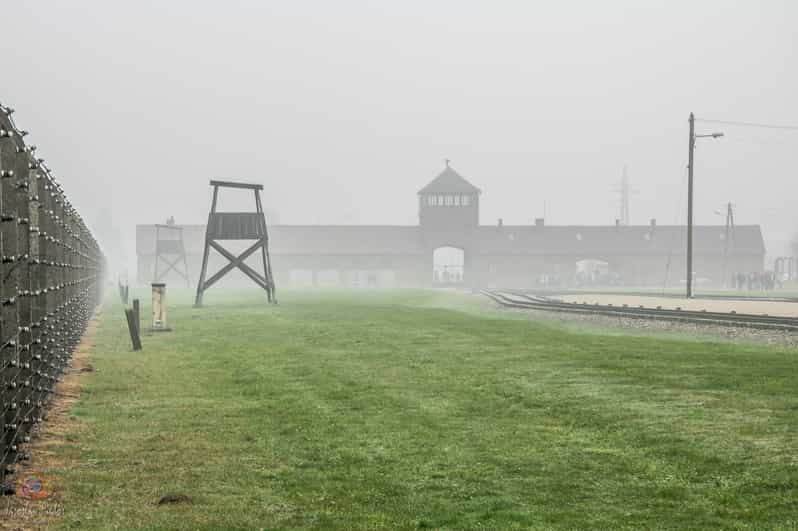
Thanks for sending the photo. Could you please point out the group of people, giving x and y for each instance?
(756, 280)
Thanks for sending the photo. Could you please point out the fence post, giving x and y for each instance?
(133, 329)
(137, 313)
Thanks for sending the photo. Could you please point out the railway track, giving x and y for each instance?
(522, 300)
(715, 296)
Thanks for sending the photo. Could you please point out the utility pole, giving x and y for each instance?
(625, 192)
(624, 197)
(690, 207)
(728, 240)
(690, 152)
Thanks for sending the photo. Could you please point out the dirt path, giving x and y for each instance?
(16, 512)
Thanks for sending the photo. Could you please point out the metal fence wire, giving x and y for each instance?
(51, 271)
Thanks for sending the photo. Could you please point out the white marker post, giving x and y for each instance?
(159, 307)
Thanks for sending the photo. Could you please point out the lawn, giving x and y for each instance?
(421, 409)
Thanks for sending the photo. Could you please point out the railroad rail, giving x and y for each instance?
(642, 293)
(522, 300)
(51, 271)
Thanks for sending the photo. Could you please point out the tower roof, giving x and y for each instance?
(449, 182)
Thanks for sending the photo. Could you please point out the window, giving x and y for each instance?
(440, 200)
(448, 200)
(466, 200)
(431, 200)
(457, 200)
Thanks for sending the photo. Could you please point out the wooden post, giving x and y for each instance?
(137, 313)
(133, 329)
(124, 292)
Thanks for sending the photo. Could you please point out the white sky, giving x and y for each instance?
(345, 109)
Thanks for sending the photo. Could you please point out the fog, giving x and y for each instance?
(344, 112)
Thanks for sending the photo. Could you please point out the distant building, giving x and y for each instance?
(450, 247)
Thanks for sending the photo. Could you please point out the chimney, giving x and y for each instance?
(653, 222)
(539, 222)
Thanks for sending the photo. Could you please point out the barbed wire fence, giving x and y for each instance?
(51, 276)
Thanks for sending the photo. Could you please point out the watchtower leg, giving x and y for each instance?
(185, 262)
(267, 273)
(204, 270)
(270, 278)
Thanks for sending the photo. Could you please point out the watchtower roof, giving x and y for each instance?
(231, 184)
(449, 182)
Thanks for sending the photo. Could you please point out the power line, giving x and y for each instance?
(750, 124)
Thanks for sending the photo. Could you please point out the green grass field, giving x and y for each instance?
(413, 410)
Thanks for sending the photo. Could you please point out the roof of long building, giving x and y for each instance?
(596, 240)
(570, 240)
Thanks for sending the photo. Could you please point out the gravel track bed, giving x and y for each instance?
(674, 329)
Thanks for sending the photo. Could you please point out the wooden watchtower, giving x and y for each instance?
(170, 249)
(237, 226)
